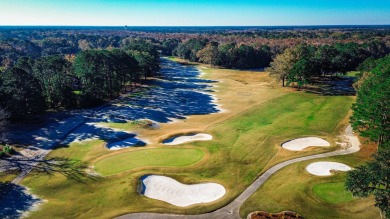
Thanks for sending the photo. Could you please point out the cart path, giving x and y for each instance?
(232, 209)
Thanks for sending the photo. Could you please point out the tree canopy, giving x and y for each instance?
(373, 179)
(372, 108)
(371, 119)
(21, 93)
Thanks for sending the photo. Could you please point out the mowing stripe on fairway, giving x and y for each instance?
(162, 157)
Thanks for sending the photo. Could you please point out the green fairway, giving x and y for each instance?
(162, 157)
(292, 188)
(332, 192)
(242, 147)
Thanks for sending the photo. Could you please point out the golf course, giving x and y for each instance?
(245, 117)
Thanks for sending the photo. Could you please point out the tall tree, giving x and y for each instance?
(103, 74)
(282, 64)
(227, 55)
(168, 46)
(147, 64)
(88, 68)
(373, 178)
(126, 67)
(372, 108)
(189, 49)
(54, 74)
(300, 73)
(21, 94)
(209, 54)
(146, 53)
(323, 57)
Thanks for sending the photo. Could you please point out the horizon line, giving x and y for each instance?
(294, 25)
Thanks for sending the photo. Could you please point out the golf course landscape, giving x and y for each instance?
(254, 118)
(182, 109)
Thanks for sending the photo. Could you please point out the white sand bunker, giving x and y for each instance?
(324, 168)
(302, 143)
(188, 138)
(130, 142)
(169, 190)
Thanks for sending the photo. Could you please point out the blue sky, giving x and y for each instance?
(193, 13)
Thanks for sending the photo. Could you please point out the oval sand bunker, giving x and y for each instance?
(130, 142)
(187, 138)
(324, 168)
(302, 143)
(169, 190)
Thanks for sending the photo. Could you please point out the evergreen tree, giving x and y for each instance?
(371, 110)
(21, 94)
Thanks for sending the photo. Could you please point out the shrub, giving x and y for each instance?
(8, 149)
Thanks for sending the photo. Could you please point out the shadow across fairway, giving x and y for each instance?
(333, 86)
(91, 131)
(175, 93)
(15, 200)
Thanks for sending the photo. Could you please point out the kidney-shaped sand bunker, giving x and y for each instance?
(302, 143)
(169, 190)
(324, 168)
(187, 138)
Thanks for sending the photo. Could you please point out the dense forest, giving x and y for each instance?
(62, 68)
(40, 81)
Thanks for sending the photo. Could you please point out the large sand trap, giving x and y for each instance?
(302, 143)
(188, 138)
(324, 168)
(169, 190)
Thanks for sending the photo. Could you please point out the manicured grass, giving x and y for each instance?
(160, 157)
(84, 150)
(240, 150)
(332, 192)
(244, 144)
(122, 126)
(292, 188)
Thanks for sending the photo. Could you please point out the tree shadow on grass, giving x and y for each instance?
(70, 168)
(332, 86)
(15, 200)
(91, 131)
(176, 93)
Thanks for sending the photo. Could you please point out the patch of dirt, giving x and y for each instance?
(280, 215)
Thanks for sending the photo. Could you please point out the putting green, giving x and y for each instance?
(332, 192)
(161, 157)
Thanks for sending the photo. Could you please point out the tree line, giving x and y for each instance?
(370, 117)
(259, 44)
(228, 55)
(299, 65)
(87, 79)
